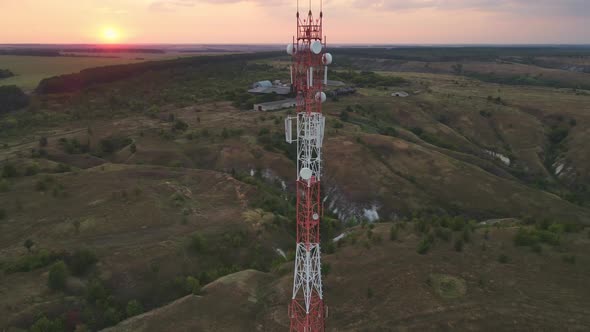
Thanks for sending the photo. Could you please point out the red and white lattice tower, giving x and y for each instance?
(308, 76)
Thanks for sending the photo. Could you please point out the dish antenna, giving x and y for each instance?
(306, 173)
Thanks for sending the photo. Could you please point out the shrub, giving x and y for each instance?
(417, 131)
(112, 316)
(58, 274)
(424, 246)
(557, 135)
(112, 144)
(570, 259)
(9, 171)
(197, 243)
(81, 261)
(389, 131)
(503, 258)
(28, 244)
(180, 125)
(443, 233)
(95, 291)
(73, 146)
(62, 168)
(2, 214)
(133, 148)
(369, 292)
(192, 285)
(32, 261)
(45, 324)
(134, 308)
(31, 170)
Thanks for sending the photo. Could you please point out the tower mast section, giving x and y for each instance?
(307, 310)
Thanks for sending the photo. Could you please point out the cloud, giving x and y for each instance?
(519, 7)
(172, 5)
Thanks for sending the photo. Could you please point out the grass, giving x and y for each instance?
(448, 287)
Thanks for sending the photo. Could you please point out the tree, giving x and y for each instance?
(58, 274)
(12, 98)
(28, 244)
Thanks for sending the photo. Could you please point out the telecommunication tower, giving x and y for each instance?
(309, 74)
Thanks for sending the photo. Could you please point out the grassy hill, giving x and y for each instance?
(150, 182)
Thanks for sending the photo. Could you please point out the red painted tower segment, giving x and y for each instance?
(307, 309)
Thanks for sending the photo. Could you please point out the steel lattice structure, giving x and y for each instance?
(308, 76)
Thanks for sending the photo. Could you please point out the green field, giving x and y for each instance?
(30, 70)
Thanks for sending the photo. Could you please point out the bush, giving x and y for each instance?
(531, 237)
(369, 292)
(9, 171)
(133, 148)
(570, 259)
(388, 131)
(503, 258)
(33, 261)
(3, 214)
(134, 308)
(112, 144)
(192, 285)
(28, 244)
(557, 135)
(95, 291)
(58, 273)
(45, 324)
(197, 243)
(180, 125)
(443, 233)
(31, 170)
(62, 168)
(73, 146)
(81, 261)
(424, 246)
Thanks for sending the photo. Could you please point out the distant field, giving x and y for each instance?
(29, 70)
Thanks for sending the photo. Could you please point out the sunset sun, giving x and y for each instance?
(110, 35)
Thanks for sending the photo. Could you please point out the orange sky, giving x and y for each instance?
(272, 21)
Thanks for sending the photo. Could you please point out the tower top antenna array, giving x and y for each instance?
(307, 310)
